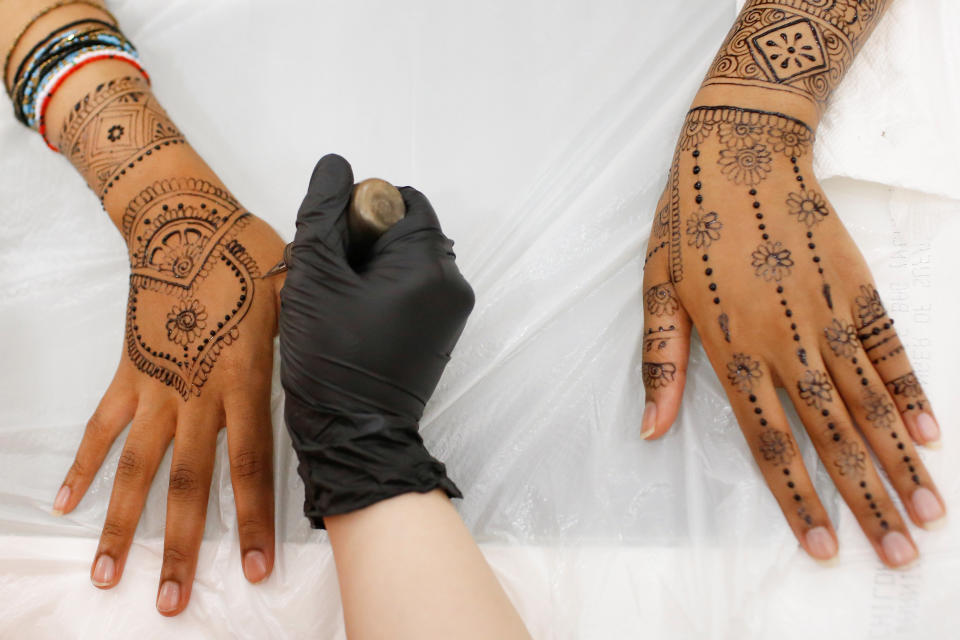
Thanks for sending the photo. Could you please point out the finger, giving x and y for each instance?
(872, 407)
(112, 415)
(194, 450)
(250, 443)
(149, 437)
(666, 344)
(832, 430)
(886, 353)
(749, 385)
(322, 214)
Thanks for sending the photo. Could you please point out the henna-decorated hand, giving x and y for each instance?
(197, 356)
(746, 247)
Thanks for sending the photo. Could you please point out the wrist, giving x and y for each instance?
(758, 98)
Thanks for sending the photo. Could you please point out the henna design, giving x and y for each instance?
(658, 338)
(827, 296)
(869, 307)
(802, 356)
(815, 389)
(182, 235)
(657, 375)
(852, 460)
(777, 447)
(113, 128)
(748, 166)
(186, 321)
(724, 321)
(740, 135)
(772, 261)
(797, 46)
(879, 411)
(743, 372)
(809, 207)
(661, 300)
(842, 338)
(703, 229)
(906, 385)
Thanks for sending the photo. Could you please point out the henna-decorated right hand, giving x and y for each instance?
(746, 247)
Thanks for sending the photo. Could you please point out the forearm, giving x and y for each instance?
(408, 568)
(196, 255)
(789, 55)
(106, 121)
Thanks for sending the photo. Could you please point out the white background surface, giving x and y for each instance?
(541, 130)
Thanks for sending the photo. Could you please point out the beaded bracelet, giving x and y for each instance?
(56, 56)
(43, 44)
(62, 43)
(37, 16)
(69, 65)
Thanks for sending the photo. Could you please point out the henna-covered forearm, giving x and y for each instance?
(802, 47)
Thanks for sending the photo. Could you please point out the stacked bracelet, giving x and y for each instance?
(56, 5)
(48, 64)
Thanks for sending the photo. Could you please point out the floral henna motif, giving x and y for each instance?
(740, 135)
(906, 385)
(815, 389)
(660, 300)
(869, 307)
(879, 411)
(852, 460)
(182, 237)
(772, 262)
(842, 338)
(185, 322)
(809, 207)
(776, 447)
(791, 142)
(657, 375)
(703, 229)
(743, 372)
(747, 166)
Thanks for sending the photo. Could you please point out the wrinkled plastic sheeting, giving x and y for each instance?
(542, 131)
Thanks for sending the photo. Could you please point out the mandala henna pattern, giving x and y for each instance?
(182, 237)
(113, 128)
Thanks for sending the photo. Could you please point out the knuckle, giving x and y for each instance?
(246, 464)
(113, 530)
(97, 427)
(174, 555)
(78, 469)
(184, 482)
(129, 466)
(251, 527)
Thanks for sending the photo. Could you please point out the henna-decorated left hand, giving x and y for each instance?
(746, 247)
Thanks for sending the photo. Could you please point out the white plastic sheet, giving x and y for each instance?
(541, 130)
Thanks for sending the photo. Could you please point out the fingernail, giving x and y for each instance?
(649, 420)
(821, 544)
(928, 428)
(103, 571)
(169, 596)
(60, 502)
(926, 505)
(898, 549)
(255, 565)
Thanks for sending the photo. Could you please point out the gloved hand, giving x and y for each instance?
(362, 347)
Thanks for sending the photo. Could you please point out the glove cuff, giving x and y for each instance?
(351, 462)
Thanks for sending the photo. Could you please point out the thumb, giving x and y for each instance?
(322, 215)
(666, 344)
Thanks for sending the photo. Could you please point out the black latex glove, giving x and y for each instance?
(362, 347)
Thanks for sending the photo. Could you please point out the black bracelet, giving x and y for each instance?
(50, 36)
